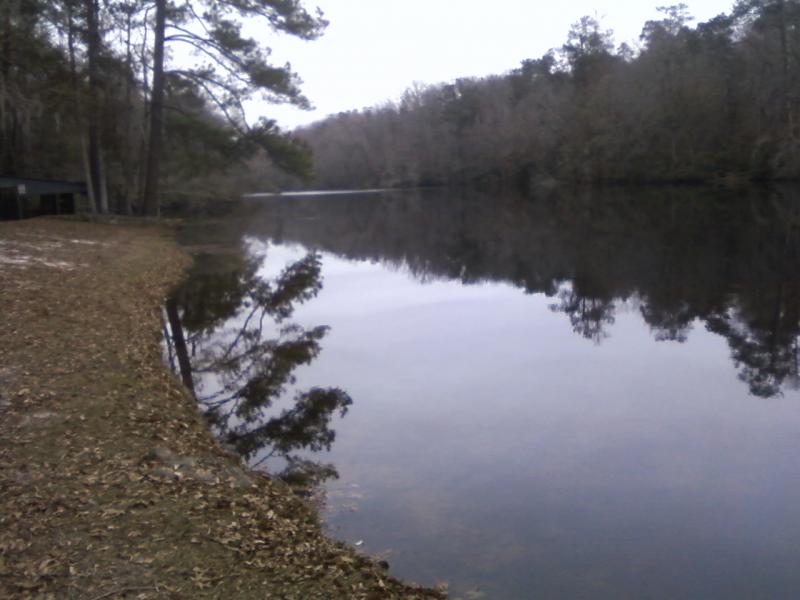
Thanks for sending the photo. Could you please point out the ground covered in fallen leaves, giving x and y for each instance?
(111, 485)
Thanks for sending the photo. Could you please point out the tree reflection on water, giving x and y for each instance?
(726, 260)
(238, 351)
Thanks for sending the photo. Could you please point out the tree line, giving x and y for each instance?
(713, 101)
(144, 97)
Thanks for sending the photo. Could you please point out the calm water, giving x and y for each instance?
(575, 396)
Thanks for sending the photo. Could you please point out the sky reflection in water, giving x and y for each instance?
(545, 401)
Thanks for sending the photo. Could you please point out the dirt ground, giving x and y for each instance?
(111, 485)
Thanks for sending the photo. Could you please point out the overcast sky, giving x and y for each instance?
(374, 49)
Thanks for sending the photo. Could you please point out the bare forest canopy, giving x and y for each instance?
(143, 98)
(688, 103)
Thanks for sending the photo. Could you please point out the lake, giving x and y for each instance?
(579, 395)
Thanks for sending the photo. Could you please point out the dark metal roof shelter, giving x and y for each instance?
(40, 187)
(23, 197)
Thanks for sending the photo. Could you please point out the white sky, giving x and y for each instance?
(374, 49)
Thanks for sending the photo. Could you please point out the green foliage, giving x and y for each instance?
(232, 67)
(35, 96)
(286, 151)
(49, 98)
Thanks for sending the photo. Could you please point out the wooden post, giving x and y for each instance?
(18, 201)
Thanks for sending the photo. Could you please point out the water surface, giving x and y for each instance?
(585, 395)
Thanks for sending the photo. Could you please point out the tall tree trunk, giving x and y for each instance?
(90, 189)
(786, 107)
(103, 185)
(95, 149)
(129, 156)
(150, 202)
(144, 125)
(77, 113)
(6, 107)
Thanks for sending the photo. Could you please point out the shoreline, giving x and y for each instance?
(111, 484)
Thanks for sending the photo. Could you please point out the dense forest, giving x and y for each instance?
(143, 99)
(689, 103)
